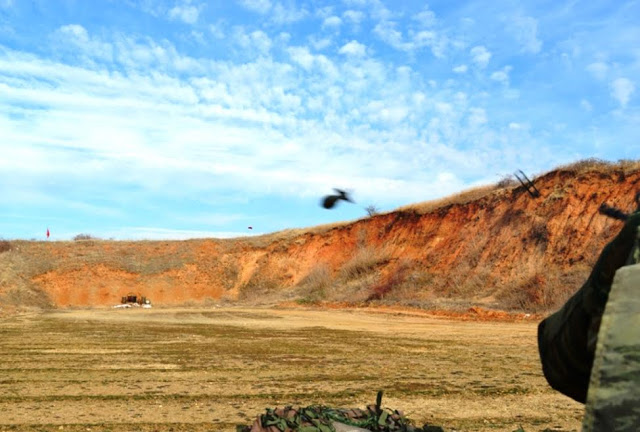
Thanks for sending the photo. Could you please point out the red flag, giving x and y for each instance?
(47, 232)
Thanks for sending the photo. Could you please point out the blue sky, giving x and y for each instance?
(182, 118)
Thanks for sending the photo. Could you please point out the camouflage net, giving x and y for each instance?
(320, 418)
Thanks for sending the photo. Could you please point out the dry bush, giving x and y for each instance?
(418, 280)
(383, 288)
(543, 292)
(595, 164)
(539, 233)
(365, 260)
(5, 246)
(287, 234)
(83, 237)
(463, 197)
(466, 281)
(507, 181)
(313, 287)
(371, 210)
(28, 296)
(260, 287)
(628, 165)
(589, 164)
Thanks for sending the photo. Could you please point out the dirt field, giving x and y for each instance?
(210, 369)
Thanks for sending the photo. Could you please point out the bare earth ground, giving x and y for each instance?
(210, 369)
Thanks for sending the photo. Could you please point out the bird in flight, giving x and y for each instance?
(330, 201)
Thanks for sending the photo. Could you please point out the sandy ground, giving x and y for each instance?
(210, 369)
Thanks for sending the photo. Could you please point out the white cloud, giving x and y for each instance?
(332, 22)
(360, 3)
(217, 30)
(75, 31)
(287, 14)
(76, 41)
(302, 56)
(621, 90)
(184, 12)
(502, 75)
(157, 233)
(259, 6)
(166, 123)
(426, 17)
(257, 40)
(386, 31)
(480, 55)
(598, 69)
(460, 68)
(354, 16)
(586, 105)
(353, 48)
(320, 44)
(525, 30)
(477, 117)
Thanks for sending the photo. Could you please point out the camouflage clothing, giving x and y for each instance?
(567, 339)
(613, 402)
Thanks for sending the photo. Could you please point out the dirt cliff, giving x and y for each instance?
(494, 246)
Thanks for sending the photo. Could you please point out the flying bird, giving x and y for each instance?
(330, 200)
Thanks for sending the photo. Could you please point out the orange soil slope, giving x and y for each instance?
(503, 250)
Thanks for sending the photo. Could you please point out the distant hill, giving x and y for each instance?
(494, 247)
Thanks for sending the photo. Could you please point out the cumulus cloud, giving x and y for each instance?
(332, 22)
(360, 3)
(477, 117)
(414, 40)
(281, 14)
(256, 39)
(598, 69)
(143, 113)
(460, 69)
(621, 90)
(387, 32)
(157, 233)
(354, 16)
(259, 6)
(75, 40)
(480, 55)
(586, 105)
(217, 30)
(320, 44)
(302, 56)
(75, 31)
(184, 12)
(426, 17)
(502, 75)
(353, 48)
(525, 30)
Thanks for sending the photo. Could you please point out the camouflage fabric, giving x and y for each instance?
(567, 339)
(319, 418)
(613, 402)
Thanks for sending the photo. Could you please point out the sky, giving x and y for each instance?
(175, 119)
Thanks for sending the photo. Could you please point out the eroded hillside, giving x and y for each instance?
(494, 247)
